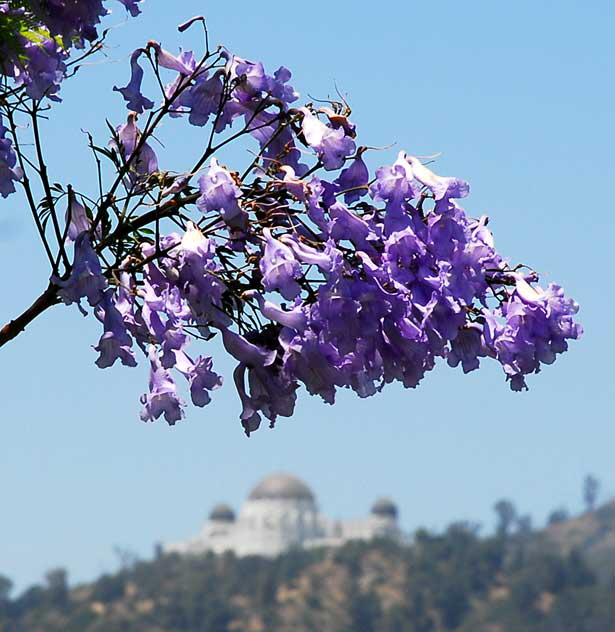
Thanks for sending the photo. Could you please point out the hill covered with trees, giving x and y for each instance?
(559, 579)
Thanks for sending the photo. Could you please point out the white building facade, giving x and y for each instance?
(280, 514)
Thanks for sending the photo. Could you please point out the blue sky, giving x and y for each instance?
(518, 98)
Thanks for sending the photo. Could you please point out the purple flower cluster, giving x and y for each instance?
(35, 56)
(337, 280)
(72, 21)
(530, 329)
(241, 90)
(182, 291)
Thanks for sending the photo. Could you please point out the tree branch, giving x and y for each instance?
(164, 210)
(46, 300)
(42, 170)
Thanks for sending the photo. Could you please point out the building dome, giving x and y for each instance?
(281, 487)
(222, 513)
(385, 508)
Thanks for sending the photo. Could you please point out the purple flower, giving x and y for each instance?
(279, 267)
(252, 81)
(315, 363)
(168, 333)
(200, 376)
(394, 184)
(466, 348)
(406, 258)
(530, 329)
(332, 145)
(126, 305)
(249, 417)
(309, 255)
(141, 156)
(247, 352)
(353, 180)
(250, 77)
(279, 87)
(115, 342)
(219, 192)
(271, 393)
(9, 172)
(314, 203)
(86, 279)
(442, 188)
(347, 225)
(162, 398)
(199, 281)
(276, 141)
(77, 219)
(176, 93)
(294, 318)
(132, 92)
(184, 64)
(203, 99)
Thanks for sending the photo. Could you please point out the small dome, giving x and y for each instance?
(384, 507)
(222, 513)
(281, 486)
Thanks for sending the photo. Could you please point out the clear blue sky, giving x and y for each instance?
(519, 98)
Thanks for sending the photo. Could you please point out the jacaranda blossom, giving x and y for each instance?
(302, 265)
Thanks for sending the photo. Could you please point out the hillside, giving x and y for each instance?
(592, 534)
(553, 580)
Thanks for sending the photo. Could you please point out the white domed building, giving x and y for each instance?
(281, 513)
